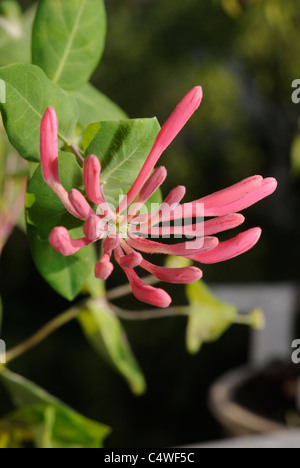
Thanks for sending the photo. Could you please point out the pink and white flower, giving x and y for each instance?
(123, 230)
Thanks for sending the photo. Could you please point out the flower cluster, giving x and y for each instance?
(129, 238)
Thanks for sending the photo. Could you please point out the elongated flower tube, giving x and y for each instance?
(49, 158)
(169, 131)
(127, 237)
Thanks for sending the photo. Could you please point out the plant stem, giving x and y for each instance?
(46, 331)
(77, 153)
(74, 312)
(75, 150)
(151, 313)
(126, 289)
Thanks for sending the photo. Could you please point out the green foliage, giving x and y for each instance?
(28, 94)
(15, 33)
(94, 106)
(209, 318)
(68, 39)
(106, 335)
(45, 420)
(44, 211)
(122, 148)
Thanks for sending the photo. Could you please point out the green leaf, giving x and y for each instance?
(209, 318)
(51, 423)
(28, 94)
(68, 39)
(122, 148)
(95, 106)
(44, 211)
(15, 33)
(106, 335)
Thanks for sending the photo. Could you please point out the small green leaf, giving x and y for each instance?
(44, 211)
(68, 39)
(106, 335)
(51, 423)
(28, 94)
(209, 318)
(95, 106)
(122, 148)
(15, 33)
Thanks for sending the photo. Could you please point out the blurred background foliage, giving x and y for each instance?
(245, 54)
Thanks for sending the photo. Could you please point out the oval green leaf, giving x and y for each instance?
(28, 94)
(68, 39)
(44, 211)
(122, 148)
(106, 335)
(95, 106)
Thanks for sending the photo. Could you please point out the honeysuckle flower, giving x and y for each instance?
(125, 231)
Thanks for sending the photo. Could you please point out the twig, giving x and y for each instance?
(46, 331)
(77, 153)
(150, 314)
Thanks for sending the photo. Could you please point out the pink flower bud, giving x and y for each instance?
(49, 158)
(94, 229)
(63, 244)
(80, 204)
(152, 184)
(91, 178)
(132, 260)
(142, 291)
(231, 248)
(169, 131)
(104, 268)
(111, 242)
(184, 249)
(173, 275)
(49, 147)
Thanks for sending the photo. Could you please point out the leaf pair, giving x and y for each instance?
(45, 420)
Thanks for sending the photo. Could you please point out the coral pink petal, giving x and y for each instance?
(206, 228)
(104, 268)
(142, 291)
(49, 146)
(111, 243)
(91, 178)
(232, 193)
(62, 243)
(94, 228)
(132, 260)
(188, 210)
(173, 275)
(174, 197)
(223, 223)
(184, 249)
(80, 204)
(267, 188)
(169, 131)
(231, 248)
(152, 184)
(49, 158)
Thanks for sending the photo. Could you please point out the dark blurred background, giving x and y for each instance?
(245, 54)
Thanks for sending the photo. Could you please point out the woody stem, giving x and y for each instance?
(43, 333)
